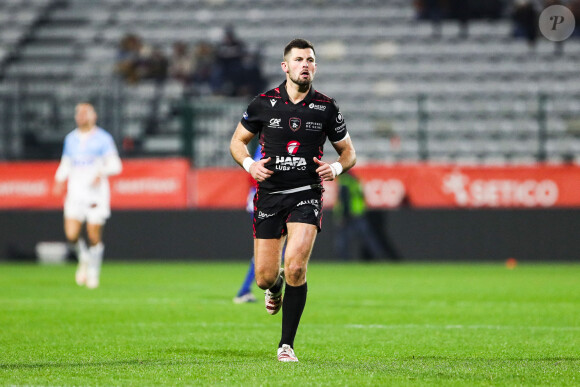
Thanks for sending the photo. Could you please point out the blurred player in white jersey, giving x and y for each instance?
(88, 158)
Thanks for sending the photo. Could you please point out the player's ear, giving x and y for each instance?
(284, 66)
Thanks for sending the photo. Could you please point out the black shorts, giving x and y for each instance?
(273, 211)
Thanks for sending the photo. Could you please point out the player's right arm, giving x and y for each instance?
(240, 153)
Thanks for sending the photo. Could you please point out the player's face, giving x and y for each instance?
(300, 65)
(85, 116)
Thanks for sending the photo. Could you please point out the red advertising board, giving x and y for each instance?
(147, 183)
(151, 183)
(219, 188)
(171, 183)
(28, 185)
(425, 185)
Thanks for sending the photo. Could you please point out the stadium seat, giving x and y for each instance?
(481, 93)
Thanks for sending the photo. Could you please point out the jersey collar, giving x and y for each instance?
(286, 97)
(87, 134)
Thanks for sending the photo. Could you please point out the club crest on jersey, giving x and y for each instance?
(295, 123)
(292, 147)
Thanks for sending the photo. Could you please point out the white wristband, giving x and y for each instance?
(248, 161)
(336, 168)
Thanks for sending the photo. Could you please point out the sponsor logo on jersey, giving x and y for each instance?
(295, 123)
(340, 128)
(262, 215)
(273, 101)
(284, 163)
(312, 202)
(292, 147)
(245, 115)
(317, 107)
(313, 126)
(275, 123)
(339, 118)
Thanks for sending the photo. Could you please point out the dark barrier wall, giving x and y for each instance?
(420, 235)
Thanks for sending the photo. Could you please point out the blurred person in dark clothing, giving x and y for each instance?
(461, 11)
(525, 18)
(205, 79)
(252, 81)
(430, 10)
(230, 53)
(129, 58)
(351, 217)
(156, 66)
(181, 63)
(575, 8)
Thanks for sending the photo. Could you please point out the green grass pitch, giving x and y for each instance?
(175, 324)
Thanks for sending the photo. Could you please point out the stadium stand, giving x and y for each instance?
(407, 95)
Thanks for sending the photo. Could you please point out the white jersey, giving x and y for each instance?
(86, 156)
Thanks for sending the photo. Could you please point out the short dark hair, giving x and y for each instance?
(298, 43)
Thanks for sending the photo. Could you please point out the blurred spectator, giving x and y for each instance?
(436, 11)
(525, 18)
(137, 61)
(155, 66)
(181, 63)
(252, 81)
(227, 69)
(205, 78)
(575, 8)
(460, 10)
(353, 223)
(129, 58)
(430, 10)
(229, 56)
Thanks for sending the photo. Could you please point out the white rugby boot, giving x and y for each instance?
(274, 300)
(244, 298)
(286, 354)
(83, 257)
(94, 266)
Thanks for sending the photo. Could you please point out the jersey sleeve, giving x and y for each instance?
(108, 146)
(66, 149)
(251, 119)
(336, 127)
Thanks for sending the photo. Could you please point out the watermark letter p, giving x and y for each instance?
(557, 20)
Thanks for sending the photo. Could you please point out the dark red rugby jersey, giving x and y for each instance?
(292, 134)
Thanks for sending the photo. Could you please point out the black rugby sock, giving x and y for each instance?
(277, 285)
(292, 308)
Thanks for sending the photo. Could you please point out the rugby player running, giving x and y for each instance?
(89, 157)
(293, 122)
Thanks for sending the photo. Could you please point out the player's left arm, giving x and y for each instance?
(112, 165)
(346, 160)
(111, 161)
